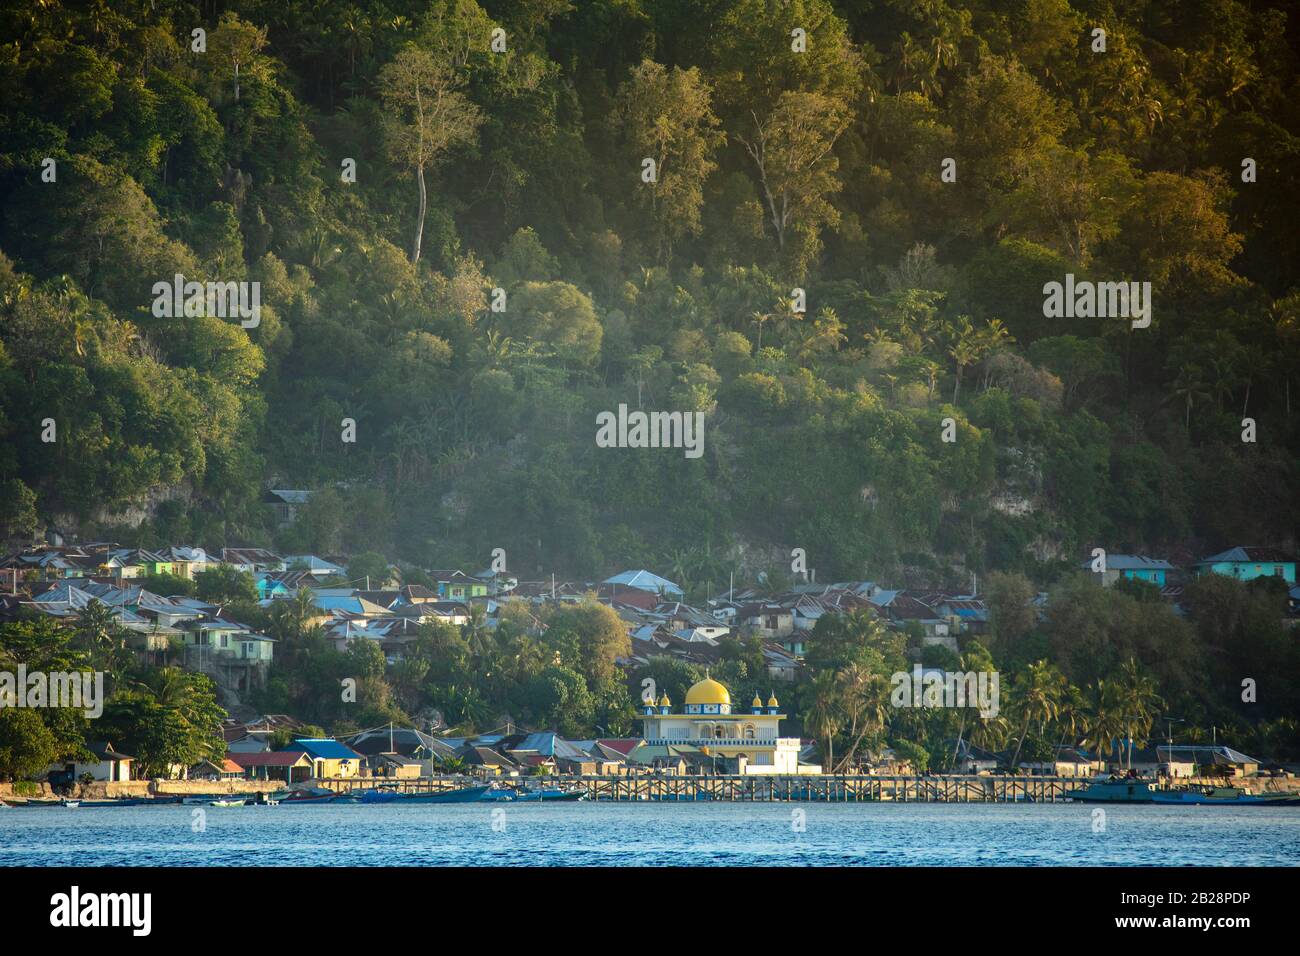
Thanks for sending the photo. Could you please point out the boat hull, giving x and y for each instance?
(1234, 799)
(1124, 791)
(464, 795)
(551, 795)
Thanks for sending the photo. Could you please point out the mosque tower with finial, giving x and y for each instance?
(747, 741)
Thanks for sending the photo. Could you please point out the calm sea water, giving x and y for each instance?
(587, 834)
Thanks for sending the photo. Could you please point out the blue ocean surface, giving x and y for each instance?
(632, 834)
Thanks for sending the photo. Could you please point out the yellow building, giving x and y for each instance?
(749, 740)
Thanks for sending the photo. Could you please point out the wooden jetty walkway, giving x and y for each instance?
(822, 788)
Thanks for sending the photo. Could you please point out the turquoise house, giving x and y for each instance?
(1132, 567)
(269, 585)
(1246, 564)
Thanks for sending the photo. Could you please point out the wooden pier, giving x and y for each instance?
(820, 788)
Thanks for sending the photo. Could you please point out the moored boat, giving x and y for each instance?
(463, 795)
(1120, 790)
(1232, 796)
(311, 795)
(1137, 790)
(551, 793)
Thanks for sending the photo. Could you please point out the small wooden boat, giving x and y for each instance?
(312, 796)
(551, 793)
(71, 804)
(229, 803)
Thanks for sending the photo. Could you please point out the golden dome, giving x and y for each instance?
(664, 701)
(758, 702)
(708, 691)
(771, 701)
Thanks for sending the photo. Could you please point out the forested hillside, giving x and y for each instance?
(518, 164)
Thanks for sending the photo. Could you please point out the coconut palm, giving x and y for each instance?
(1105, 723)
(1070, 716)
(1038, 697)
(1190, 387)
(760, 319)
(964, 350)
(865, 697)
(824, 718)
(1136, 695)
(451, 765)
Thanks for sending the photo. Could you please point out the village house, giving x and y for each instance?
(769, 621)
(227, 769)
(187, 562)
(134, 563)
(643, 580)
(1246, 564)
(290, 766)
(969, 759)
(285, 503)
(1068, 762)
(108, 765)
(403, 741)
(252, 560)
(904, 610)
(314, 565)
(393, 766)
(329, 758)
(1130, 567)
(46, 564)
(1153, 762)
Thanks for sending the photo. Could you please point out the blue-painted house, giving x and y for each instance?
(270, 584)
(1132, 567)
(1246, 564)
(329, 757)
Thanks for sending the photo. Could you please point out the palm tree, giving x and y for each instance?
(1136, 695)
(173, 689)
(1070, 716)
(1106, 722)
(824, 717)
(994, 335)
(451, 764)
(931, 370)
(943, 52)
(965, 350)
(1039, 691)
(289, 617)
(866, 704)
(98, 631)
(642, 361)
(1190, 386)
(356, 30)
(95, 626)
(482, 643)
(908, 62)
(760, 319)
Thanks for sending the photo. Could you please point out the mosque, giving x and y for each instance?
(748, 740)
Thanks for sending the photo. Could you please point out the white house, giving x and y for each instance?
(110, 765)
